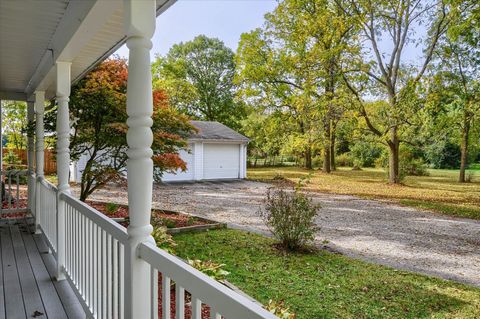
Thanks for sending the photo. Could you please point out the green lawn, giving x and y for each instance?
(438, 192)
(327, 285)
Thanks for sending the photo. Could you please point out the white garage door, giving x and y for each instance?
(188, 175)
(221, 161)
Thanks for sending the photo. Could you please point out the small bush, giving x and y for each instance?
(210, 268)
(164, 240)
(364, 154)
(169, 223)
(190, 220)
(280, 310)
(156, 220)
(290, 217)
(111, 208)
(409, 164)
(317, 161)
(344, 160)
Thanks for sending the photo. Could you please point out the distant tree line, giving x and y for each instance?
(330, 82)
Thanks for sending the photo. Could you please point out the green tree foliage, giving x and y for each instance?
(198, 78)
(454, 87)
(265, 139)
(14, 124)
(293, 64)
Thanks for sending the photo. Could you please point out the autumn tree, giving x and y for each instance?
(294, 65)
(98, 117)
(392, 25)
(198, 78)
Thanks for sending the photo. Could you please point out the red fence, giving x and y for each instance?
(50, 163)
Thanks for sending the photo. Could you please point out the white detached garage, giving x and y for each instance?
(215, 152)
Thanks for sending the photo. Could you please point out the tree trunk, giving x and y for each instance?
(332, 148)
(326, 150)
(308, 158)
(394, 158)
(464, 150)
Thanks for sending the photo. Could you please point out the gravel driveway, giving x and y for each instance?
(380, 232)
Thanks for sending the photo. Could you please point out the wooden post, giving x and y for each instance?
(30, 158)
(63, 158)
(39, 147)
(139, 28)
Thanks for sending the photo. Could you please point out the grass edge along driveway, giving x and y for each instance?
(439, 192)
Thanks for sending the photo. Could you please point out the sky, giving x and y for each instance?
(223, 19)
(227, 20)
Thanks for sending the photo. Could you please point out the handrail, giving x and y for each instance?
(42, 180)
(222, 300)
(111, 227)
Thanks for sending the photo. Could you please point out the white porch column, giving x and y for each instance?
(30, 157)
(63, 157)
(39, 147)
(139, 28)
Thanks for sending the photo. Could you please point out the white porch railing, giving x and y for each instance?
(95, 266)
(94, 258)
(10, 192)
(204, 291)
(47, 203)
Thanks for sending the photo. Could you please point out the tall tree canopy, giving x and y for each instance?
(294, 65)
(198, 78)
(454, 86)
(392, 24)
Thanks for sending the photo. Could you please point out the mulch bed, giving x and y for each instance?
(175, 220)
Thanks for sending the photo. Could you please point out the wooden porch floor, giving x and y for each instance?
(27, 287)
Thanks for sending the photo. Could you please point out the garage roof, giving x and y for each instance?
(215, 131)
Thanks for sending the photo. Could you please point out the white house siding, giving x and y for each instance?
(205, 161)
(212, 161)
(77, 168)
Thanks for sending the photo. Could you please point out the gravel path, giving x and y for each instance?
(380, 232)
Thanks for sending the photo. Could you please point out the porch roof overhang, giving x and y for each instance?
(34, 35)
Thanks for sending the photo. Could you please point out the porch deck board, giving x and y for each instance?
(27, 284)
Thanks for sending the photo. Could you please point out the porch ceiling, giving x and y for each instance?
(34, 34)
